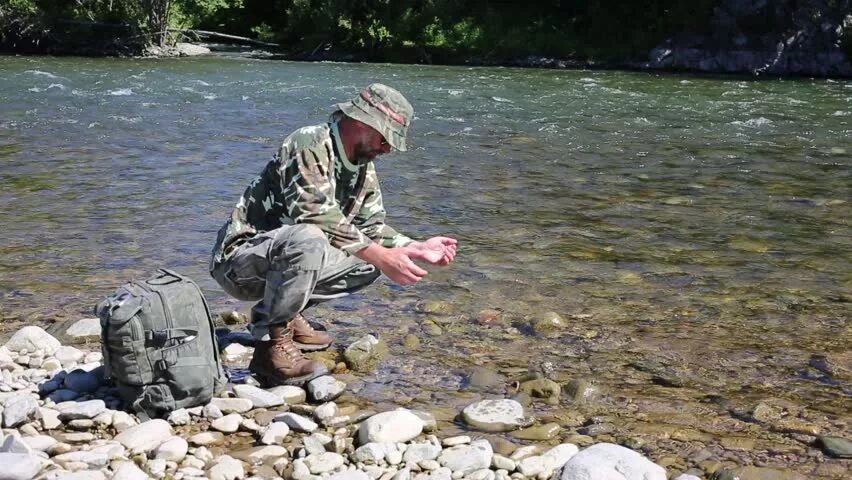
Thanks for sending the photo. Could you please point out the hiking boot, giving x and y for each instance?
(305, 337)
(279, 362)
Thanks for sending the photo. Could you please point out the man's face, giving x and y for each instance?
(371, 144)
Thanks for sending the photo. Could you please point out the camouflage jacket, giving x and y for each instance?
(311, 181)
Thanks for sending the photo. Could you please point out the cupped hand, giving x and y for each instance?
(434, 251)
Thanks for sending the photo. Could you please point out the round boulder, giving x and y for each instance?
(502, 415)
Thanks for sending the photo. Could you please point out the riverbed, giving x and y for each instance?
(690, 233)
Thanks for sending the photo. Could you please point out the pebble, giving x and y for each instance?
(290, 394)
(314, 444)
(836, 446)
(232, 405)
(179, 417)
(467, 458)
(121, 421)
(145, 436)
(275, 433)
(174, 449)
(41, 443)
(128, 471)
(349, 475)
(297, 422)
(257, 455)
(205, 439)
(228, 423)
(370, 453)
(393, 426)
(212, 412)
(68, 356)
(454, 441)
(325, 388)
(326, 412)
(259, 398)
(227, 468)
(323, 462)
(80, 410)
(501, 462)
(92, 459)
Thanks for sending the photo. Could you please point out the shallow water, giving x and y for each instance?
(692, 231)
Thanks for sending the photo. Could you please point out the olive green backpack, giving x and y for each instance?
(159, 344)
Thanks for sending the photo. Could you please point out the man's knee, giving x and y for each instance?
(300, 246)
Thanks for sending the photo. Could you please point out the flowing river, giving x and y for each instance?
(692, 233)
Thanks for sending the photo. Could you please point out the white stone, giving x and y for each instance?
(297, 422)
(86, 328)
(525, 451)
(15, 444)
(301, 470)
(256, 455)
(467, 458)
(93, 358)
(19, 466)
(174, 449)
(313, 444)
(103, 419)
(68, 356)
(205, 439)
(482, 474)
(211, 412)
(51, 364)
(129, 471)
(112, 450)
(92, 459)
(204, 455)
(227, 468)
(232, 405)
(557, 456)
(494, 415)
(323, 462)
(453, 441)
(325, 388)
(228, 423)
(157, 467)
(259, 398)
(403, 474)
(121, 421)
(290, 394)
(686, 476)
(32, 338)
(42, 443)
(501, 462)
(417, 452)
(191, 50)
(393, 455)
(235, 350)
(19, 409)
(146, 436)
(325, 412)
(611, 462)
(80, 410)
(275, 433)
(532, 466)
(393, 426)
(179, 417)
(349, 475)
(370, 453)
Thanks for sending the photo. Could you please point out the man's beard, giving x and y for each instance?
(364, 155)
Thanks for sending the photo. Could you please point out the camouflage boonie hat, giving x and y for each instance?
(384, 109)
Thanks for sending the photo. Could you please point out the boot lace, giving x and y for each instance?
(285, 345)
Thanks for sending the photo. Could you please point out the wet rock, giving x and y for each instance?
(19, 409)
(613, 462)
(290, 394)
(32, 338)
(482, 378)
(523, 398)
(835, 364)
(547, 431)
(467, 458)
(365, 353)
(737, 443)
(581, 391)
(494, 415)
(394, 426)
(432, 329)
(547, 323)
(207, 439)
(80, 410)
(411, 342)
(542, 388)
(325, 388)
(489, 317)
(19, 466)
(836, 446)
(757, 473)
(259, 398)
(275, 434)
(146, 436)
(84, 329)
(436, 307)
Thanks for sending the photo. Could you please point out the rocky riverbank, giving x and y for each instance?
(63, 420)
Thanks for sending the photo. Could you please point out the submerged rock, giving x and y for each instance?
(836, 446)
(539, 432)
(365, 353)
(481, 378)
(547, 323)
(542, 388)
(579, 390)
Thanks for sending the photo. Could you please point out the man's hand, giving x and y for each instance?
(435, 251)
(395, 263)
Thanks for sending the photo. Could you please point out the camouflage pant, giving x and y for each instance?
(289, 269)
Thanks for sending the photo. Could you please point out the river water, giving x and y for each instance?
(692, 232)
